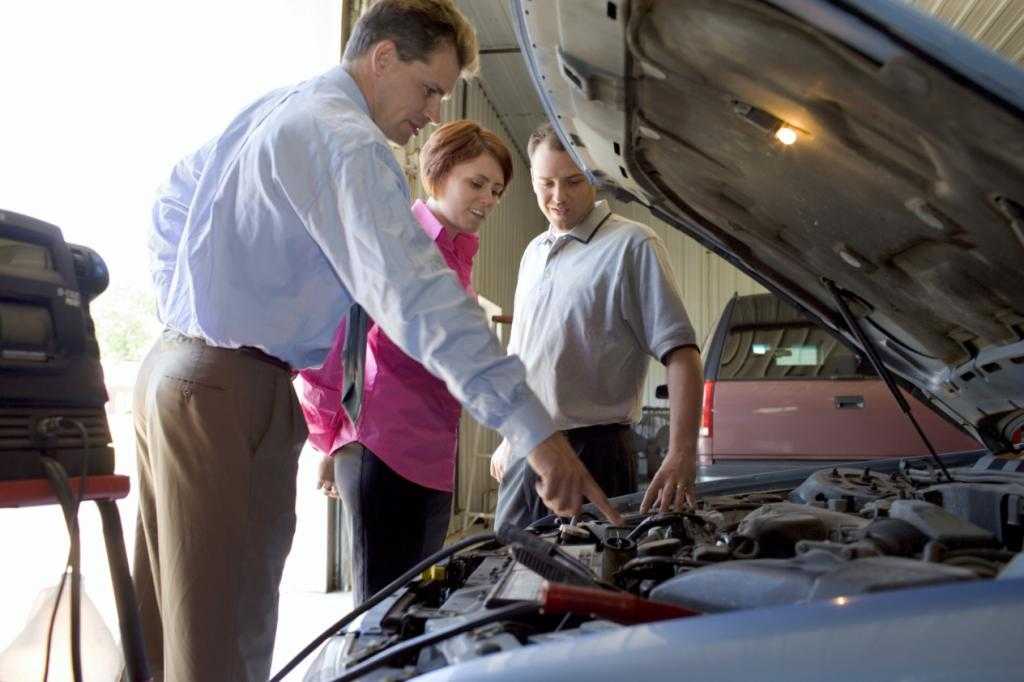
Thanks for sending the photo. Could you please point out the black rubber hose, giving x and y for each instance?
(395, 585)
(59, 481)
(48, 429)
(428, 638)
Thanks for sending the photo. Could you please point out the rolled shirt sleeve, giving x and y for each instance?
(658, 319)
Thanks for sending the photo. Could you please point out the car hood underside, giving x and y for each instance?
(905, 183)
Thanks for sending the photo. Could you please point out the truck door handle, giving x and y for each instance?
(849, 402)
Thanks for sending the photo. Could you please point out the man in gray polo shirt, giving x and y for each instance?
(595, 299)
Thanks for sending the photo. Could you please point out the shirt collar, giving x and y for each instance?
(466, 245)
(586, 228)
(341, 78)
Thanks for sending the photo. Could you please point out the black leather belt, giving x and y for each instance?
(597, 430)
(264, 357)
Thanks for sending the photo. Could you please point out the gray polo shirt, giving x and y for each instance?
(591, 306)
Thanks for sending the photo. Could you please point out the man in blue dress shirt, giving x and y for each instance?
(261, 242)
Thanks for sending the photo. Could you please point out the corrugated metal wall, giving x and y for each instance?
(996, 24)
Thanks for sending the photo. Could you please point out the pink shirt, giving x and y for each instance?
(408, 418)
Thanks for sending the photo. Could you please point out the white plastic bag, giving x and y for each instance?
(24, 659)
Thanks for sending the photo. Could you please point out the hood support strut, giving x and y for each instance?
(881, 368)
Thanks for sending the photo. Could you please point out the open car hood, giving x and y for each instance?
(904, 186)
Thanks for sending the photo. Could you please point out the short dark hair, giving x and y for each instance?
(456, 142)
(544, 134)
(418, 28)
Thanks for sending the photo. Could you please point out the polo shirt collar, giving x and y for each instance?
(586, 228)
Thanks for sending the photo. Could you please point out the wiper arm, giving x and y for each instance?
(883, 371)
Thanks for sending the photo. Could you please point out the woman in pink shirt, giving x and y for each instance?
(394, 467)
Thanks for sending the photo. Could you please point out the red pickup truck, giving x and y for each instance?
(780, 390)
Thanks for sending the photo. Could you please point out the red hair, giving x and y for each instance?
(457, 142)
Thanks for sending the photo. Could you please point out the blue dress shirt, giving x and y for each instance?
(266, 235)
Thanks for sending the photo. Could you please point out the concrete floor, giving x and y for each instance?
(303, 616)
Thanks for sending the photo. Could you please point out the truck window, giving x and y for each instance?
(787, 351)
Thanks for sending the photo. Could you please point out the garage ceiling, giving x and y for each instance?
(997, 24)
(502, 71)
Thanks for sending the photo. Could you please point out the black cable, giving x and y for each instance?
(83, 474)
(655, 520)
(647, 561)
(53, 619)
(881, 368)
(545, 524)
(544, 558)
(383, 594)
(59, 480)
(428, 638)
(61, 484)
(63, 495)
(76, 564)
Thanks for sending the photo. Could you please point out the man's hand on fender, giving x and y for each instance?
(672, 487)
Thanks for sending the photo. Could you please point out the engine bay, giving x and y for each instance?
(842, 532)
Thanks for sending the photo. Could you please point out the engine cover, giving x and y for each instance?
(815, 575)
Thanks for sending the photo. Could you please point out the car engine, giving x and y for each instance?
(841, 532)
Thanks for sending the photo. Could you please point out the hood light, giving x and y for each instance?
(854, 259)
(782, 131)
(786, 135)
(850, 259)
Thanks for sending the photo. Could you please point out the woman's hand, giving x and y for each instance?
(499, 461)
(325, 476)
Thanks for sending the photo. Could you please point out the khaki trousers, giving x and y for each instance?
(218, 434)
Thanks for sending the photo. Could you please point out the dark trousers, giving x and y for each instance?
(604, 449)
(392, 522)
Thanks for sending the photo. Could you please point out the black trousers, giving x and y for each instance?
(604, 449)
(392, 522)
